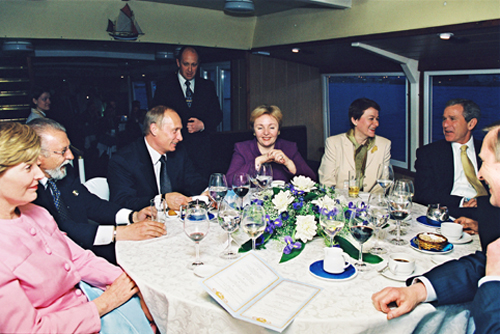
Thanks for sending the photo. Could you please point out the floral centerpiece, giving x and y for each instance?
(293, 214)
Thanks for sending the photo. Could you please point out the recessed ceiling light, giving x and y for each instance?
(295, 50)
(445, 35)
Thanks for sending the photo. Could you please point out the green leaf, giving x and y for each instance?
(310, 196)
(293, 253)
(354, 252)
(247, 246)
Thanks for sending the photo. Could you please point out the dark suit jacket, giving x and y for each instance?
(456, 282)
(205, 107)
(131, 178)
(435, 174)
(245, 153)
(82, 206)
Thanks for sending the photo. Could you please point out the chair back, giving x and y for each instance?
(99, 187)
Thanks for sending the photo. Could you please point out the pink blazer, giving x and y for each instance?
(39, 269)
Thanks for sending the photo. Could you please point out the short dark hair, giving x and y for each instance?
(358, 107)
(37, 91)
(471, 109)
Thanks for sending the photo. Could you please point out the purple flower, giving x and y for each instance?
(298, 205)
(260, 240)
(284, 215)
(258, 202)
(290, 245)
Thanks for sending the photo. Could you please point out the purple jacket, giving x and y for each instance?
(245, 153)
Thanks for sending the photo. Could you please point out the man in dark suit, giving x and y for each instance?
(155, 166)
(473, 278)
(72, 205)
(440, 175)
(196, 102)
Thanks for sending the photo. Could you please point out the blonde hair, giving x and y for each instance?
(18, 143)
(265, 109)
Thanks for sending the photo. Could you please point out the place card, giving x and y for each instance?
(251, 290)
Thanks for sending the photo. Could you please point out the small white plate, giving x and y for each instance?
(466, 237)
(173, 216)
(440, 259)
(402, 278)
(204, 270)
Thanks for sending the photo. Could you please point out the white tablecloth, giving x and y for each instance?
(180, 305)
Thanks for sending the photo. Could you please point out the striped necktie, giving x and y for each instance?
(58, 201)
(189, 94)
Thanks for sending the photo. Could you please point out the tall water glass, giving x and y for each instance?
(378, 214)
(332, 221)
(217, 187)
(385, 176)
(229, 220)
(253, 221)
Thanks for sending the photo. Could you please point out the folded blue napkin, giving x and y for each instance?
(430, 222)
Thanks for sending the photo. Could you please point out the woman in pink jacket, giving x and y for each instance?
(40, 266)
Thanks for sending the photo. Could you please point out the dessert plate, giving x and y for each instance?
(316, 269)
(447, 249)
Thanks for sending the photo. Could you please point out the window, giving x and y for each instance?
(389, 90)
(480, 86)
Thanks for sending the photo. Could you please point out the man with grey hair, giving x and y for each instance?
(475, 277)
(156, 166)
(446, 169)
(72, 205)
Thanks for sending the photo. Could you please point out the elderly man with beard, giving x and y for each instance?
(91, 222)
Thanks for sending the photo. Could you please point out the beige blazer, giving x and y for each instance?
(339, 155)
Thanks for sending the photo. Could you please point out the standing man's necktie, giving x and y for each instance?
(56, 196)
(189, 94)
(165, 186)
(470, 173)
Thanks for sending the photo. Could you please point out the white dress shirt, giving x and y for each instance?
(105, 233)
(182, 82)
(461, 186)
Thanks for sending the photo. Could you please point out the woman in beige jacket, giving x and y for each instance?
(357, 149)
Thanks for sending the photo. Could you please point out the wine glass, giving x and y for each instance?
(241, 185)
(332, 221)
(411, 189)
(196, 225)
(400, 206)
(217, 187)
(262, 176)
(385, 176)
(253, 221)
(229, 221)
(378, 214)
(361, 230)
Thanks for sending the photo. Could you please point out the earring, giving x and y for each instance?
(254, 134)
(279, 133)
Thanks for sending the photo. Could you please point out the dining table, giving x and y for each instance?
(179, 303)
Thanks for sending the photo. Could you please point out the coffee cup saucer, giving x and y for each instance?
(316, 269)
(465, 238)
(402, 278)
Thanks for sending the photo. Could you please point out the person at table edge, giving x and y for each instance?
(134, 172)
(41, 266)
(283, 155)
(195, 100)
(474, 277)
(358, 149)
(115, 223)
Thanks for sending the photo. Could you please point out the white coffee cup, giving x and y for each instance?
(336, 261)
(401, 264)
(452, 231)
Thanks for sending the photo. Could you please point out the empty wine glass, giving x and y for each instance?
(229, 221)
(378, 213)
(217, 187)
(262, 176)
(332, 221)
(385, 176)
(196, 225)
(241, 185)
(361, 230)
(253, 221)
(400, 206)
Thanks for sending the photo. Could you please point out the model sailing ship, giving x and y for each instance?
(125, 26)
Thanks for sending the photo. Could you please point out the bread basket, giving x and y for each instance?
(431, 241)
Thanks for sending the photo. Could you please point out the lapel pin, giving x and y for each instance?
(374, 149)
(76, 193)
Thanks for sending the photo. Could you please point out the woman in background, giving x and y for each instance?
(40, 98)
(283, 155)
(41, 266)
(357, 149)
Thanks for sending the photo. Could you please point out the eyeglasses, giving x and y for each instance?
(63, 152)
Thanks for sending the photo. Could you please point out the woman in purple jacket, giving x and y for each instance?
(283, 155)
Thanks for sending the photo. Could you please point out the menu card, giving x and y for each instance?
(251, 290)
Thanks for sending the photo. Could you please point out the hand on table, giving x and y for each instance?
(493, 259)
(175, 200)
(122, 289)
(146, 229)
(195, 125)
(470, 225)
(472, 203)
(406, 299)
(142, 215)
